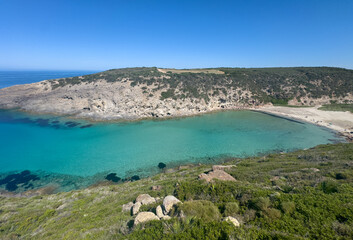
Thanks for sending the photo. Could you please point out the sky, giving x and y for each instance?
(106, 34)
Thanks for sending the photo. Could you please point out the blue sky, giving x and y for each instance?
(104, 34)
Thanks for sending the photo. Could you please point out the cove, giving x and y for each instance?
(75, 147)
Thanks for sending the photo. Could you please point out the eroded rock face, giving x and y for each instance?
(136, 208)
(145, 199)
(169, 202)
(217, 174)
(233, 220)
(145, 217)
(127, 207)
(103, 100)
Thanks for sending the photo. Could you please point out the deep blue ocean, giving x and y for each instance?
(74, 153)
(10, 78)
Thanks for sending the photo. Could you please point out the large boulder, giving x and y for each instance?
(145, 217)
(217, 174)
(232, 220)
(169, 202)
(136, 208)
(127, 207)
(145, 199)
(159, 211)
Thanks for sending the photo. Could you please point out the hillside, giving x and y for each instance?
(307, 194)
(135, 93)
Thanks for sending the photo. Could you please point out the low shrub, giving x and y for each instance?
(329, 186)
(201, 209)
(231, 209)
(288, 207)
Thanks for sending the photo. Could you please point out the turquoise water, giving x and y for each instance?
(59, 145)
(73, 154)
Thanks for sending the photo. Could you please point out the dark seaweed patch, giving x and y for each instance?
(55, 122)
(161, 165)
(23, 120)
(71, 125)
(13, 180)
(42, 122)
(86, 126)
(112, 177)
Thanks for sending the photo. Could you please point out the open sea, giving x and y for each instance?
(72, 154)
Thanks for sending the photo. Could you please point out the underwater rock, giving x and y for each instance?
(23, 178)
(42, 122)
(135, 178)
(161, 165)
(112, 177)
(86, 126)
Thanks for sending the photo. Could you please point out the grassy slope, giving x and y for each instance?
(300, 203)
(276, 85)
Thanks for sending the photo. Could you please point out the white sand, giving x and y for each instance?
(338, 121)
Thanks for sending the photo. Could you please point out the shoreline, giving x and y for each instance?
(340, 122)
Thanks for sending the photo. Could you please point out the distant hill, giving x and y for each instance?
(133, 93)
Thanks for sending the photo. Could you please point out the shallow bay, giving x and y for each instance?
(59, 145)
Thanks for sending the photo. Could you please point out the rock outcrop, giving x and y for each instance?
(233, 220)
(145, 217)
(127, 207)
(145, 199)
(169, 202)
(137, 93)
(222, 167)
(136, 208)
(216, 174)
(159, 211)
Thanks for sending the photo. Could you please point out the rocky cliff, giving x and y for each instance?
(136, 93)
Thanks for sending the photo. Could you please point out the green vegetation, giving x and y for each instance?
(306, 194)
(337, 107)
(276, 85)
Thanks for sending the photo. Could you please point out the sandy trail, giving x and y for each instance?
(338, 121)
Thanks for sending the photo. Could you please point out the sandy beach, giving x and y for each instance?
(338, 121)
